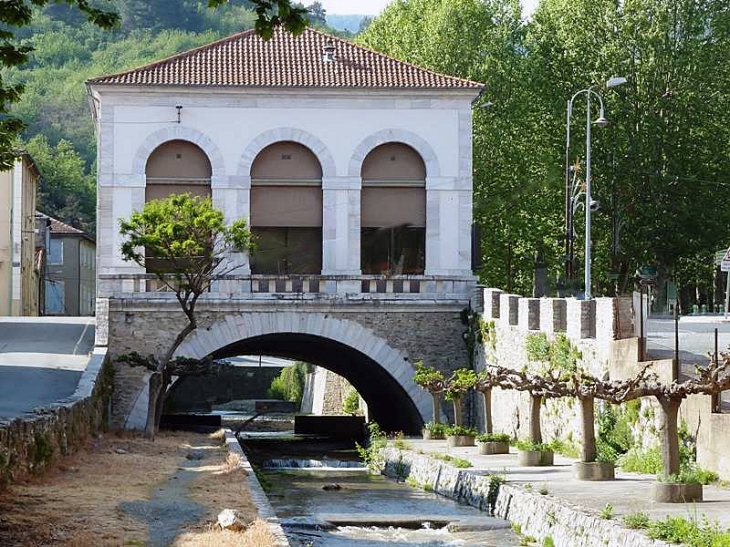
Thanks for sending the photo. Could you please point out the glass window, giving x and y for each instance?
(55, 253)
(283, 251)
(393, 251)
(55, 297)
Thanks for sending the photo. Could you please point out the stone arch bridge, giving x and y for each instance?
(373, 340)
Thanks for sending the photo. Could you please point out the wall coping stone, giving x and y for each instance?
(258, 496)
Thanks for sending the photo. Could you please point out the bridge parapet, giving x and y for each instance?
(300, 287)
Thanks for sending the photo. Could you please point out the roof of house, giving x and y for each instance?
(61, 228)
(285, 61)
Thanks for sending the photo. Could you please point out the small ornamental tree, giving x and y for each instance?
(458, 384)
(432, 381)
(484, 384)
(709, 380)
(189, 244)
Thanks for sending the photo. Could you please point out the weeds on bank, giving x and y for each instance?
(690, 532)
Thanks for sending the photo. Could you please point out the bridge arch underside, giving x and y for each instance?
(388, 403)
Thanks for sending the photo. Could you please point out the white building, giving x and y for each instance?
(354, 169)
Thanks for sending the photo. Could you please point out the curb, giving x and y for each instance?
(266, 511)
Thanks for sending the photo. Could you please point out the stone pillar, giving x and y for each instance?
(491, 303)
(508, 309)
(341, 229)
(232, 196)
(448, 226)
(581, 321)
(528, 313)
(553, 314)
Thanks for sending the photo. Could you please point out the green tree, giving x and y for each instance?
(66, 191)
(431, 380)
(458, 385)
(192, 241)
(19, 14)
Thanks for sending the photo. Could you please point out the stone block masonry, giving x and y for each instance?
(393, 334)
(536, 515)
(31, 443)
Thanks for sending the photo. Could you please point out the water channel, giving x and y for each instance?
(325, 498)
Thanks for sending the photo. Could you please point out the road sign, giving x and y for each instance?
(725, 264)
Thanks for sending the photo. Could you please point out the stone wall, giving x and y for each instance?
(537, 516)
(601, 329)
(31, 443)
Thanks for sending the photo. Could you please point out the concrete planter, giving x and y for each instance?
(489, 448)
(594, 471)
(535, 458)
(453, 441)
(428, 436)
(671, 492)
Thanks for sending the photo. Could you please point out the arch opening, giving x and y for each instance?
(387, 401)
(177, 167)
(286, 210)
(393, 211)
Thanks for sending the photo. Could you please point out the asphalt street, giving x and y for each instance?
(41, 360)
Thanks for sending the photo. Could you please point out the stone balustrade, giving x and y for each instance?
(264, 287)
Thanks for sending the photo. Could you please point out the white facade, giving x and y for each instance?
(340, 127)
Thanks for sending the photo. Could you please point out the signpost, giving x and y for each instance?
(725, 267)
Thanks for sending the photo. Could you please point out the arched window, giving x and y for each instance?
(286, 210)
(177, 167)
(393, 211)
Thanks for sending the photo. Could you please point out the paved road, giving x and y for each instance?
(41, 360)
(696, 338)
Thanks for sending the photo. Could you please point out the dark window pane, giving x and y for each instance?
(283, 251)
(393, 251)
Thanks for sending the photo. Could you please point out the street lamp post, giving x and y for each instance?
(590, 204)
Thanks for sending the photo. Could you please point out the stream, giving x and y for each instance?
(359, 509)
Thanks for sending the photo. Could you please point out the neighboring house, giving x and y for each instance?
(21, 268)
(71, 271)
(348, 164)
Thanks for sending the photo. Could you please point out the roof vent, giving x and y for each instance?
(328, 52)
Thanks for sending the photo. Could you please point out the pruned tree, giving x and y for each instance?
(709, 380)
(187, 245)
(431, 380)
(484, 384)
(458, 384)
(540, 387)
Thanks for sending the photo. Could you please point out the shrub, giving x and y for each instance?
(457, 462)
(370, 454)
(528, 446)
(351, 405)
(494, 438)
(454, 430)
(642, 461)
(689, 475)
(637, 521)
(436, 430)
(565, 448)
(289, 385)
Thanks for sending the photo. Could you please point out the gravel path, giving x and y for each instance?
(170, 509)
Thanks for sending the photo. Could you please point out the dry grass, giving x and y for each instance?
(76, 505)
(257, 535)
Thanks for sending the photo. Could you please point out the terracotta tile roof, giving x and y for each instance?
(286, 61)
(58, 227)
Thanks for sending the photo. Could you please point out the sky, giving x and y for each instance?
(374, 7)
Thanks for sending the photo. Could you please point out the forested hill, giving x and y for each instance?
(68, 51)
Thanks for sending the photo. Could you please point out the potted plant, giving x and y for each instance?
(458, 435)
(493, 443)
(534, 454)
(434, 431)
